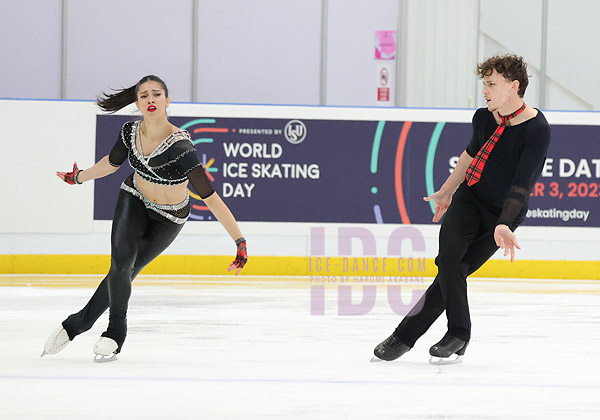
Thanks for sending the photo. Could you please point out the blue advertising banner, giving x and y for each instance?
(341, 171)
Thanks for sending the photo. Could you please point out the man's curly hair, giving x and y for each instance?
(511, 66)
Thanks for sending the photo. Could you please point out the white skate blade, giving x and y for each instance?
(376, 359)
(104, 359)
(57, 341)
(440, 361)
(105, 350)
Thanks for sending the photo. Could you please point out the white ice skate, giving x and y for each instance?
(57, 341)
(105, 350)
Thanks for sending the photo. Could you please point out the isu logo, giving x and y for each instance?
(295, 131)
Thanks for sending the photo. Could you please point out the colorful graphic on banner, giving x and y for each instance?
(290, 170)
(385, 45)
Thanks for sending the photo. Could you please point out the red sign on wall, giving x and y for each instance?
(383, 94)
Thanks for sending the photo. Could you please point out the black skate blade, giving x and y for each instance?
(441, 361)
(104, 359)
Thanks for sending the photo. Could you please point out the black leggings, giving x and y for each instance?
(466, 242)
(138, 236)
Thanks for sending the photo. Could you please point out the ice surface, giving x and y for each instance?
(217, 348)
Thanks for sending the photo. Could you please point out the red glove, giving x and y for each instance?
(241, 257)
(71, 177)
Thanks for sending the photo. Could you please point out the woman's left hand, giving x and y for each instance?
(241, 257)
(506, 239)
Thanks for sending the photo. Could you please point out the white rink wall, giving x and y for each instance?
(42, 215)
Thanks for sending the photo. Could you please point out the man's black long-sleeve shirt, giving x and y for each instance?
(514, 164)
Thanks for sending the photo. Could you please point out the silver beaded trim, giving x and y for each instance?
(172, 161)
(192, 168)
(159, 208)
(165, 181)
(165, 144)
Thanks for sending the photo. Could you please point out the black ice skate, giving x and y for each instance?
(390, 349)
(442, 352)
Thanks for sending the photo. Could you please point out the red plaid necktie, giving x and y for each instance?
(476, 167)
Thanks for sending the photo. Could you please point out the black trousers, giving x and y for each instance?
(138, 236)
(466, 242)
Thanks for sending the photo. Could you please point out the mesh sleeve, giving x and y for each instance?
(189, 162)
(119, 152)
(529, 167)
(513, 203)
(200, 182)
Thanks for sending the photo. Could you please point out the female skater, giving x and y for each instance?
(152, 206)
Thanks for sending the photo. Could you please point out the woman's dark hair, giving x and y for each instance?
(121, 98)
(510, 66)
